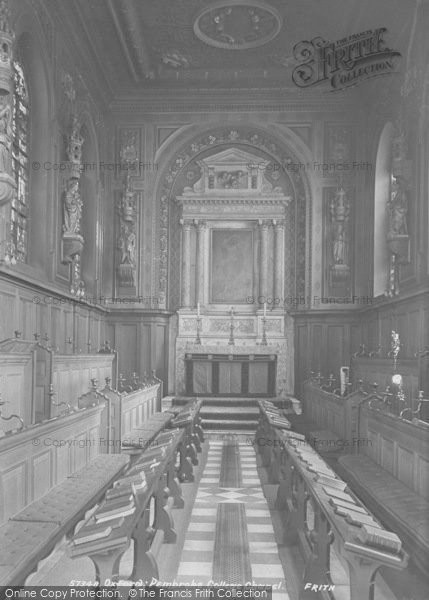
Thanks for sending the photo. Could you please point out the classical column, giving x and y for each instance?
(263, 264)
(255, 290)
(186, 263)
(279, 227)
(199, 275)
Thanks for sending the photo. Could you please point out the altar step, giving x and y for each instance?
(230, 414)
(226, 417)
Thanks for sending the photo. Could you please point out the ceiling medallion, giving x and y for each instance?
(237, 25)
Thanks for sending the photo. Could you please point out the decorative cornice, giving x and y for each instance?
(274, 200)
(278, 99)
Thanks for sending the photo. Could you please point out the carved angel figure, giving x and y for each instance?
(72, 205)
(127, 246)
(340, 214)
(398, 209)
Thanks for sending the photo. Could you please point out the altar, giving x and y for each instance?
(234, 337)
(230, 375)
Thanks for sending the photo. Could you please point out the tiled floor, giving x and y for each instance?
(197, 556)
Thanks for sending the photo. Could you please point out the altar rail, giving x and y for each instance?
(41, 456)
(320, 511)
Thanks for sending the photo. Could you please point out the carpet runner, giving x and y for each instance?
(200, 559)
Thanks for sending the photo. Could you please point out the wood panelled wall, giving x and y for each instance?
(325, 340)
(142, 342)
(30, 309)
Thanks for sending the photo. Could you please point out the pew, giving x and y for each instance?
(390, 473)
(126, 411)
(320, 512)
(186, 417)
(152, 474)
(51, 475)
(334, 413)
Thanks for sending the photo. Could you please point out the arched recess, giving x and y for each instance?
(40, 218)
(90, 225)
(178, 156)
(383, 174)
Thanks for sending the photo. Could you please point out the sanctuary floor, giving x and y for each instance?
(228, 532)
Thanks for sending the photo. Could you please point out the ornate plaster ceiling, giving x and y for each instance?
(222, 43)
(237, 24)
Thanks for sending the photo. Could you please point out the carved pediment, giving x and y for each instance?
(233, 172)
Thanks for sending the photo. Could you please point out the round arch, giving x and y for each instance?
(381, 196)
(184, 146)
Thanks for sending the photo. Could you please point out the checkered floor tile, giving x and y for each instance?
(197, 556)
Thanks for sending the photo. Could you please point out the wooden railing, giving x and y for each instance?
(320, 512)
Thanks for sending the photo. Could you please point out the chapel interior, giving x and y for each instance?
(214, 287)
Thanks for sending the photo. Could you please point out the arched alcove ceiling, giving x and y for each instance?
(251, 138)
(381, 196)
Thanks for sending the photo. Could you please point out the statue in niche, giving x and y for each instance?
(5, 136)
(399, 148)
(72, 208)
(127, 245)
(127, 203)
(398, 208)
(340, 215)
(74, 148)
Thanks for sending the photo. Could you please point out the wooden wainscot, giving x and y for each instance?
(72, 374)
(39, 457)
(370, 369)
(391, 473)
(26, 373)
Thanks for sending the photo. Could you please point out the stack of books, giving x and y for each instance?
(130, 484)
(114, 509)
(373, 536)
(94, 532)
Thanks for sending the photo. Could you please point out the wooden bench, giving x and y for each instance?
(390, 474)
(33, 533)
(161, 482)
(320, 511)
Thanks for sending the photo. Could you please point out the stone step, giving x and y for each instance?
(239, 425)
(227, 411)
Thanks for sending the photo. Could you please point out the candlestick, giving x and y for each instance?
(265, 309)
(264, 332)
